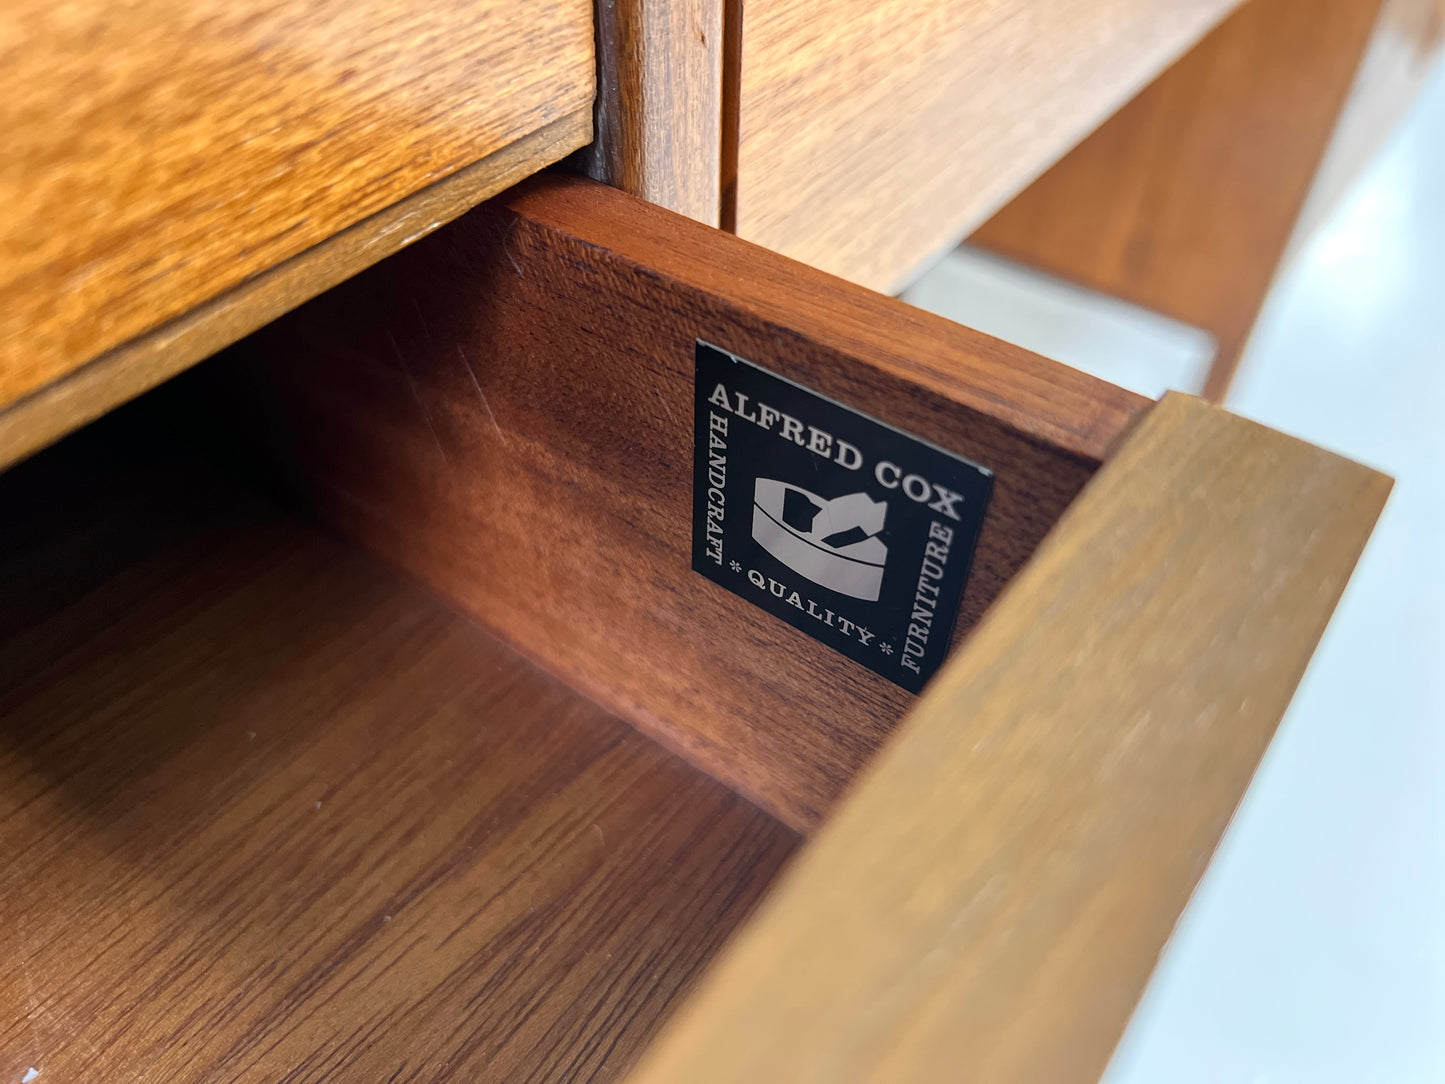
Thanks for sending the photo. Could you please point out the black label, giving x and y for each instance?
(844, 527)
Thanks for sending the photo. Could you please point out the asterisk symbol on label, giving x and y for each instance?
(887, 649)
(735, 566)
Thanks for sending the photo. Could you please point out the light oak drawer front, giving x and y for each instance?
(160, 153)
(872, 134)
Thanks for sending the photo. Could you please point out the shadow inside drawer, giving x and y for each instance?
(269, 811)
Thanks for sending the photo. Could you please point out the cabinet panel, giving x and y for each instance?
(872, 135)
(1184, 201)
(160, 153)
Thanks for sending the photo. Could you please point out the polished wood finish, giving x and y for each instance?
(161, 152)
(269, 813)
(140, 364)
(505, 411)
(873, 134)
(659, 103)
(1184, 202)
(989, 901)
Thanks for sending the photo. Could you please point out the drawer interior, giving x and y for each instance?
(506, 412)
(483, 801)
(270, 811)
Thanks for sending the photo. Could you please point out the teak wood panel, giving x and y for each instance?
(139, 364)
(659, 103)
(989, 901)
(872, 135)
(269, 813)
(160, 152)
(1184, 202)
(505, 410)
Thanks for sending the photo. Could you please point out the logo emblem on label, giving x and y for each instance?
(848, 529)
(833, 543)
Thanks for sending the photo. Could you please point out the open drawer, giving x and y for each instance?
(272, 809)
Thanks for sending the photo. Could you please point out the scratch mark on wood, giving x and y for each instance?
(663, 400)
(425, 330)
(483, 396)
(507, 248)
(416, 394)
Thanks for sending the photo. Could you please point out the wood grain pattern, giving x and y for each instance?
(989, 901)
(505, 411)
(116, 376)
(659, 103)
(1184, 202)
(269, 814)
(873, 135)
(159, 152)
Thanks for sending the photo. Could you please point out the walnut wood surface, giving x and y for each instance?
(1184, 201)
(989, 901)
(114, 377)
(505, 411)
(160, 152)
(659, 103)
(873, 134)
(267, 813)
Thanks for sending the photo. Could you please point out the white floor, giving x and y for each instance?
(1116, 341)
(1314, 949)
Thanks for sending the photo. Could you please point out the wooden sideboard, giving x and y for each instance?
(361, 714)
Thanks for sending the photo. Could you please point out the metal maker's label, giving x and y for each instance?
(846, 528)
